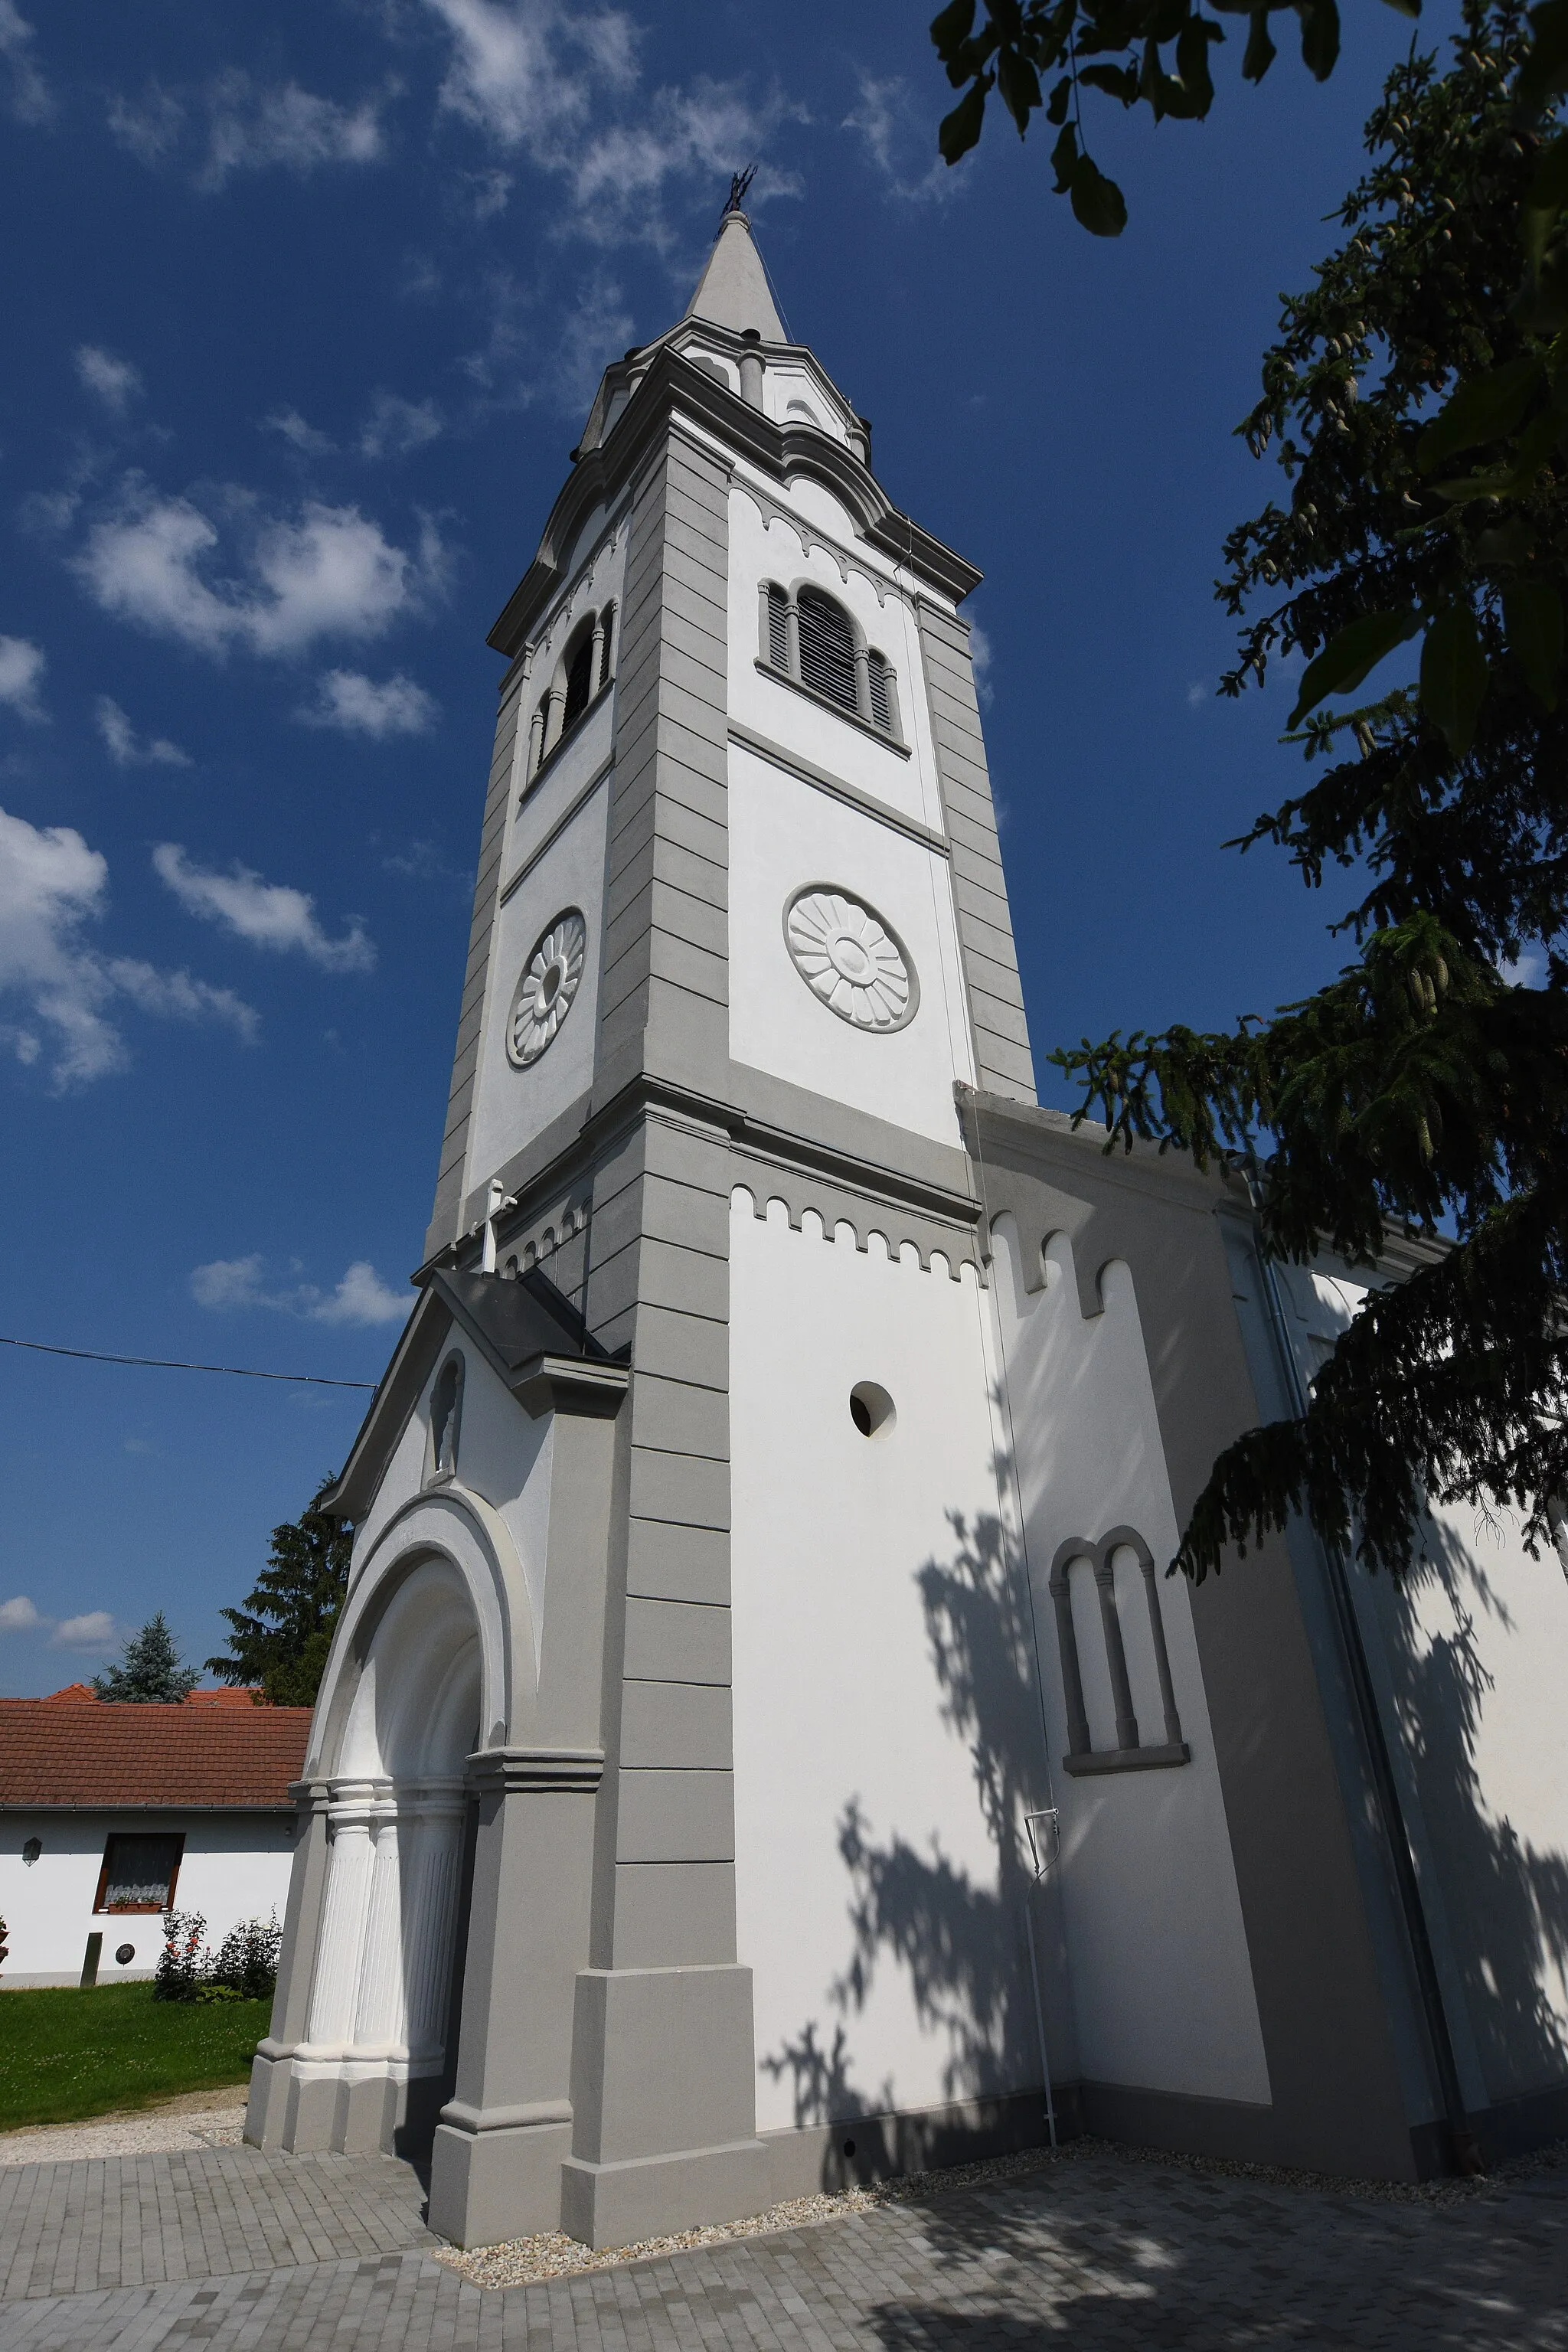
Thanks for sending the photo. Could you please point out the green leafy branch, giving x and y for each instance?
(1019, 45)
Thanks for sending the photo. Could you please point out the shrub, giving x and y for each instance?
(247, 1963)
(182, 1963)
(243, 1968)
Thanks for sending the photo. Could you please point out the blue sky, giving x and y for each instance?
(305, 307)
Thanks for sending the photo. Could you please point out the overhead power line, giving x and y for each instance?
(168, 1364)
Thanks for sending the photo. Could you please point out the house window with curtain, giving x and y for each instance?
(139, 1872)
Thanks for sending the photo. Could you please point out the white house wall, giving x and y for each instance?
(841, 1706)
(235, 1867)
(1161, 1980)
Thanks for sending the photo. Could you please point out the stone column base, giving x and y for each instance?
(654, 2196)
(495, 2172)
(308, 2107)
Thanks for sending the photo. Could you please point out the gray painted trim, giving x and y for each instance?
(1091, 1763)
(505, 1771)
(866, 804)
(573, 810)
(446, 1209)
(964, 783)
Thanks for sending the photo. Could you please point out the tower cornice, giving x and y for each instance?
(670, 381)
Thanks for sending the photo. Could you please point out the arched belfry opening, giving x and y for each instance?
(381, 2025)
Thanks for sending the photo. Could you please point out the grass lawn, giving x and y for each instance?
(65, 2054)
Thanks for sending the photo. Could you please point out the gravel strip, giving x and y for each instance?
(523, 2262)
(193, 2121)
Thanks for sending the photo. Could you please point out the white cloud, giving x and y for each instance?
(1197, 695)
(150, 127)
(28, 96)
(394, 426)
(127, 749)
(359, 706)
(18, 1616)
(980, 655)
(327, 571)
(250, 126)
(253, 128)
(361, 1297)
(115, 382)
(268, 914)
(230, 1281)
(561, 85)
(51, 886)
(296, 431)
(95, 1630)
(518, 364)
(895, 130)
(22, 664)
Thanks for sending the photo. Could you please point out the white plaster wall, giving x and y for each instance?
(837, 1697)
(1471, 1654)
(1163, 1984)
(762, 551)
(503, 1455)
(235, 1866)
(511, 1105)
(784, 833)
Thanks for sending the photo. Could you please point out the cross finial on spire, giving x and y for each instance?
(739, 182)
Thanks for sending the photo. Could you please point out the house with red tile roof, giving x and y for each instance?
(111, 1813)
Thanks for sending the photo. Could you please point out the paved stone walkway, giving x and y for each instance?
(229, 2247)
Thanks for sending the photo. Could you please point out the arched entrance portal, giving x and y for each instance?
(381, 2018)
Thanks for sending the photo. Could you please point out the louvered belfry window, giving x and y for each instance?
(778, 628)
(827, 648)
(579, 683)
(881, 701)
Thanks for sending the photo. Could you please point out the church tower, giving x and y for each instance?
(704, 1207)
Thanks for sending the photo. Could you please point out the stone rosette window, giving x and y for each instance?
(550, 979)
(851, 958)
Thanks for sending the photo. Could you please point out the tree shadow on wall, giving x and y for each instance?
(962, 1944)
(1505, 1902)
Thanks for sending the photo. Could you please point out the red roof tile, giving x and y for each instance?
(96, 1754)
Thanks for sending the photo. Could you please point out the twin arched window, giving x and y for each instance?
(809, 638)
(580, 676)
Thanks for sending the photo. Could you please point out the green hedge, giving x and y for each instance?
(65, 2054)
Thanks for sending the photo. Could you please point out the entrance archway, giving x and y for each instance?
(381, 1997)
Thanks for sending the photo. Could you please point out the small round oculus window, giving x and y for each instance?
(850, 958)
(550, 979)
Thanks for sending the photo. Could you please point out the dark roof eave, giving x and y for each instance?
(147, 1805)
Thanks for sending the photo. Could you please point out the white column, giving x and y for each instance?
(435, 1854)
(380, 2022)
(342, 1942)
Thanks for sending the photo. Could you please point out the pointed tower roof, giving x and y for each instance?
(733, 291)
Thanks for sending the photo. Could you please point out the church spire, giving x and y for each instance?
(732, 290)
